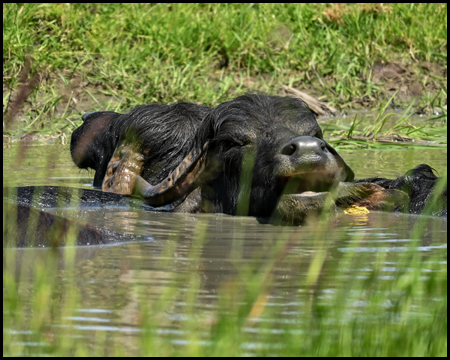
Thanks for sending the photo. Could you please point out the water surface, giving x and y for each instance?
(37, 164)
(196, 272)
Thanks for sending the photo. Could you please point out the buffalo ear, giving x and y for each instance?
(347, 173)
(185, 178)
(92, 144)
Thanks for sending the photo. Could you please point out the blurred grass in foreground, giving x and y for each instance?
(345, 304)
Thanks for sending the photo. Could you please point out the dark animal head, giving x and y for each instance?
(151, 140)
(247, 153)
(427, 193)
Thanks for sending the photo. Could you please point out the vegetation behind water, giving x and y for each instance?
(114, 56)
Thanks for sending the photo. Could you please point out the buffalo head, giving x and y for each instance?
(244, 155)
(256, 155)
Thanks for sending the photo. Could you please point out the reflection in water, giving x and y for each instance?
(359, 220)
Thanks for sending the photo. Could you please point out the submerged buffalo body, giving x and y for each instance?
(256, 155)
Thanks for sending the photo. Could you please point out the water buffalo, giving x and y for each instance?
(256, 155)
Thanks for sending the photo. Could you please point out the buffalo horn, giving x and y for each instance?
(180, 182)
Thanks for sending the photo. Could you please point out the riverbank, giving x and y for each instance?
(72, 58)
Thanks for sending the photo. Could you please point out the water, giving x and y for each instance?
(196, 272)
(32, 168)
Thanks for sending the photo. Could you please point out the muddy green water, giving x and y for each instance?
(52, 164)
(189, 262)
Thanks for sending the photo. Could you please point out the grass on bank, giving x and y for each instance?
(389, 128)
(114, 56)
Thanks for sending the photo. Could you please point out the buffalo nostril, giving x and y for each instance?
(304, 145)
(288, 149)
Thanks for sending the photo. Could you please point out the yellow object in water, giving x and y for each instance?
(356, 210)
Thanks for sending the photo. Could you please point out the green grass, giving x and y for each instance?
(365, 132)
(115, 56)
